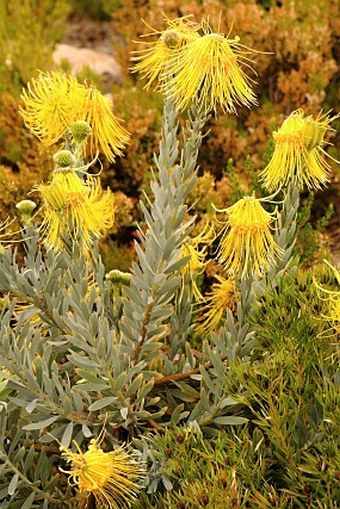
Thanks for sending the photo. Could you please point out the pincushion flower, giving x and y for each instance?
(51, 103)
(153, 60)
(209, 70)
(332, 297)
(108, 136)
(247, 243)
(54, 101)
(222, 297)
(113, 478)
(75, 209)
(299, 156)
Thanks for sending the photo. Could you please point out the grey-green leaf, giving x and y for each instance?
(41, 424)
(230, 420)
(13, 484)
(102, 403)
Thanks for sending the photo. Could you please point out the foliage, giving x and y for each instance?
(288, 455)
(142, 120)
(119, 356)
(312, 244)
(23, 161)
(100, 373)
(29, 30)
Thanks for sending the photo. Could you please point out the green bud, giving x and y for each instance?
(80, 130)
(172, 39)
(313, 133)
(118, 277)
(26, 208)
(64, 159)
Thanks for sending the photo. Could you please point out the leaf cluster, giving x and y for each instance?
(288, 454)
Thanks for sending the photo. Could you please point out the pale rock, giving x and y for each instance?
(101, 63)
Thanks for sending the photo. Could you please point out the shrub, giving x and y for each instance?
(222, 398)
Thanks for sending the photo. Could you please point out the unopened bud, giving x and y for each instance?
(313, 133)
(172, 39)
(26, 208)
(80, 130)
(64, 159)
(118, 277)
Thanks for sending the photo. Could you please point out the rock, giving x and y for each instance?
(101, 63)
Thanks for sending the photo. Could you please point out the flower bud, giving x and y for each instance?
(313, 132)
(26, 208)
(64, 159)
(118, 277)
(172, 39)
(80, 130)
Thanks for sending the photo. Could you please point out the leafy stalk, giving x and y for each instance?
(148, 301)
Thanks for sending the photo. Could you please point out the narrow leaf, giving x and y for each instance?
(102, 403)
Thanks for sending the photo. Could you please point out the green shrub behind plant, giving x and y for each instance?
(29, 30)
(288, 455)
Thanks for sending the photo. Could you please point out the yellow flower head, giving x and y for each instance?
(196, 264)
(333, 298)
(112, 477)
(222, 296)
(247, 243)
(51, 102)
(108, 136)
(75, 209)
(54, 101)
(209, 71)
(153, 60)
(299, 156)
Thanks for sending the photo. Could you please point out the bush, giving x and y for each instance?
(226, 394)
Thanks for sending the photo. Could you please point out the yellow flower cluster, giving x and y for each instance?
(222, 297)
(299, 156)
(50, 104)
(206, 68)
(55, 100)
(113, 478)
(152, 61)
(247, 243)
(75, 209)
